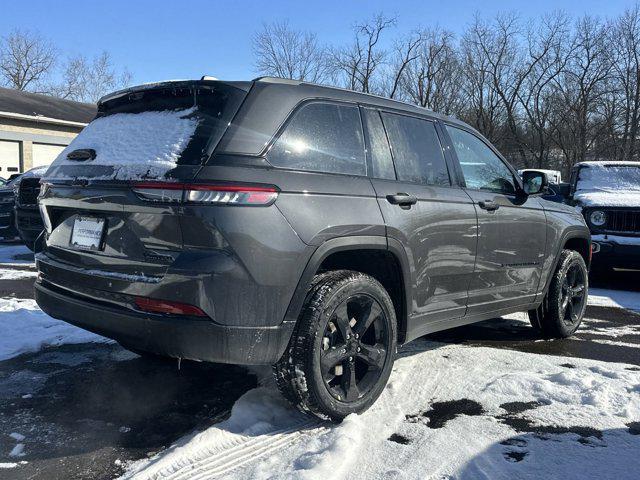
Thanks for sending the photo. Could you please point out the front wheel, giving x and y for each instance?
(342, 349)
(563, 307)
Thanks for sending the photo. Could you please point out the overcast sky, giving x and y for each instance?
(162, 39)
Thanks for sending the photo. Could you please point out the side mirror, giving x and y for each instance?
(534, 182)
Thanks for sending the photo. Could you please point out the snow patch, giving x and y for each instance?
(15, 254)
(602, 297)
(588, 405)
(17, 451)
(13, 274)
(25, 328)
(609, 198)
(137, 145)
(609, 185)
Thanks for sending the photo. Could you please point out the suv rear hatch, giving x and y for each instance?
(101, 202)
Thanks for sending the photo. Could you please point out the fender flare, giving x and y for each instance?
(570, 234)
(341, 244)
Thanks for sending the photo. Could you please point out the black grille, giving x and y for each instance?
(623, 221)
(29, 191)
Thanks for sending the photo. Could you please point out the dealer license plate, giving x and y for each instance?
(87, 233)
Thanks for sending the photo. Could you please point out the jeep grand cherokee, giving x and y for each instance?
(285, 223)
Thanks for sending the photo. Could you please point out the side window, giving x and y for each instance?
(382, 163)
(482, 169)
(322, 137)
(417, 152)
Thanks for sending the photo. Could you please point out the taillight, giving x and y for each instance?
(165, 306)
(206, 194)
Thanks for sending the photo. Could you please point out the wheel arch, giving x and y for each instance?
(573, 239)
(359, 253)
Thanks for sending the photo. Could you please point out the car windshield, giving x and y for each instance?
(609, 177)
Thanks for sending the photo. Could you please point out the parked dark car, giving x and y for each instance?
(303, 226)
(28, 220)
(608, 195)
(7, 213)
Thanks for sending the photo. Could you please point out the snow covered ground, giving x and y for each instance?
(448, 412)
(25, 328)
(614, 298)
(15, 254)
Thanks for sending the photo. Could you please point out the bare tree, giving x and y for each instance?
(484, 108)
(405, 52)
(356, 65)
(548, 92)
(580, 91)
(26, 61)
(87, 80)
(548, 54)
(433, 79)
(625, 41)
(284, 52)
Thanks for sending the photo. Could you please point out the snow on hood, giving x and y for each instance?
(608, 184)
(137, 145)
(613, 198)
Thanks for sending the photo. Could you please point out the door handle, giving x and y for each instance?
(489, 205)
(402, 199)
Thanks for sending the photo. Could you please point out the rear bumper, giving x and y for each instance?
(180, 337)
(614, 254)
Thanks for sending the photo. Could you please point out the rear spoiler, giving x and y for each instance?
(246, 86)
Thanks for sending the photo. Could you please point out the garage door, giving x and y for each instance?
(9, 158)
(44, 153)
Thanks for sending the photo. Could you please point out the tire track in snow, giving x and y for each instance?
(232, 453)
(236, 452)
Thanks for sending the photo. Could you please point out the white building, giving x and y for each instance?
(35, 128)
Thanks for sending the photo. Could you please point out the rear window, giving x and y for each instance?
(146, 133)
(322, 137)
(417, 152)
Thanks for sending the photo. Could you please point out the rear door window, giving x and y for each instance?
(322, 137)
(416, 149)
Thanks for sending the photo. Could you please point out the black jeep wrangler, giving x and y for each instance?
(312, 228)
(608, 195)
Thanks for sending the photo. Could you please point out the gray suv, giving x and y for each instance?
(307, 227)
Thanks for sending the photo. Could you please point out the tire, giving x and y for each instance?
(335, 366)
(563, 307)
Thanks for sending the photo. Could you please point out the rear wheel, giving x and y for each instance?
(563, 307)
(343, 347)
